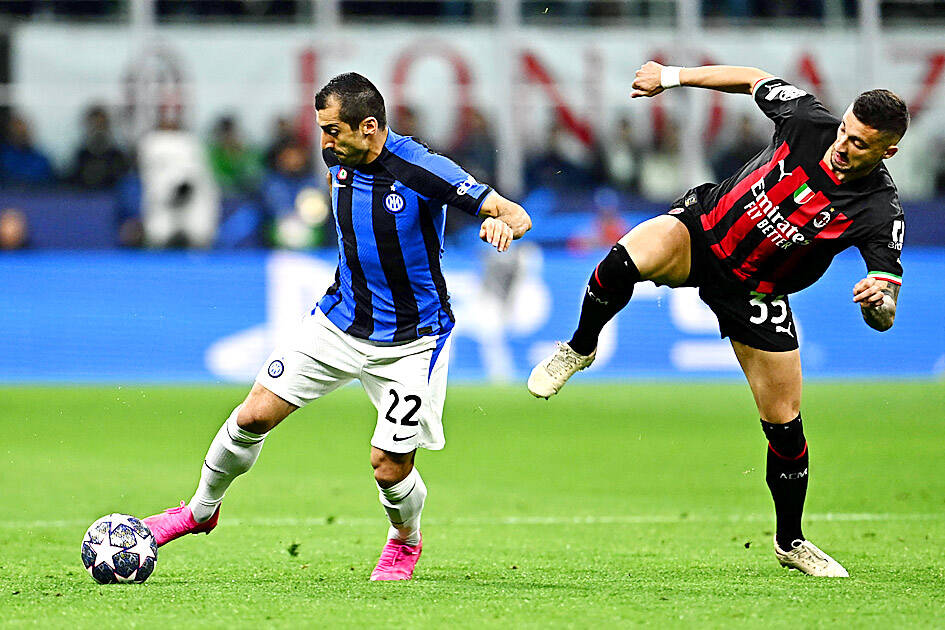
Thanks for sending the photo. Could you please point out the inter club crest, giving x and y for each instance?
(394, 202)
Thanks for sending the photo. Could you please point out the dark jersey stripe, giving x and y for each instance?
(754, 213)
(391, 256)
(432, 185)
(803, 216)
(725, 204)
(363, 324)
(431, 241)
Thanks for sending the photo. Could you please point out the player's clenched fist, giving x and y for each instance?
(647, 81)
(868, 292)
(497, 233)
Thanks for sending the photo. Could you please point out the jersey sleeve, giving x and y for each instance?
(881, 250)
(437, 177)
(787, 105)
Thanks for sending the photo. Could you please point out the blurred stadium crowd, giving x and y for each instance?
(175, 187)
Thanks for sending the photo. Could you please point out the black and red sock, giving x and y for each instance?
(787, 473)
(608, 291)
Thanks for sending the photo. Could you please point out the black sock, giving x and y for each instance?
(787, 477)
(608, 291)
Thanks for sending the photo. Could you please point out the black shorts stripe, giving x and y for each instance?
(431, 241)
(363, 324)
(406, 311)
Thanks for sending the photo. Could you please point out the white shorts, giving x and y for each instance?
(405, 382)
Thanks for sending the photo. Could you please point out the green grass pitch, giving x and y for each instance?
(608, 506)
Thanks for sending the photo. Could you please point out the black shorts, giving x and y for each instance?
(755, 319)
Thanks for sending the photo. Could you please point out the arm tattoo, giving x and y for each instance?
(881, 317)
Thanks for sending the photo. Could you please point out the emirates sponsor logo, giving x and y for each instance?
(768, 218)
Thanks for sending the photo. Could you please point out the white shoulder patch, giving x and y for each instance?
(784, 93)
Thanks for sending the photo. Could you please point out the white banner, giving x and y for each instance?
(582, 74)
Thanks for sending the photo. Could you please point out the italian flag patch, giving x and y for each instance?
(803, 194)
(888, 277)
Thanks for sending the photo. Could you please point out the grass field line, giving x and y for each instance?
(627, 519)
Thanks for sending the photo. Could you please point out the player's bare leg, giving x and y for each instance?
(657, 250)
(232, 452)
(775, 381)
(402, 493)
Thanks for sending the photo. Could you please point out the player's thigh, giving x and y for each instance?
(661, 250)
(775, 381)
(315, 360)
(409, 391)
(262, 410)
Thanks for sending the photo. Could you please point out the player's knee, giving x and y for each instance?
(617, 273)
(254, 419)
(780, 412)
(390, 468)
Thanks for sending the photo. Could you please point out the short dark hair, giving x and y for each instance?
(358, 97)
(883, 111)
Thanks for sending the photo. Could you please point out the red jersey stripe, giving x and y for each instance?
(836, 227)
(753, 214)
(725, 204)
(798, 218)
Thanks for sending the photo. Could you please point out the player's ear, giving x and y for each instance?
(369, 126)
(890, 151)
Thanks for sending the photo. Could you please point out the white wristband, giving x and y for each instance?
(669, 77)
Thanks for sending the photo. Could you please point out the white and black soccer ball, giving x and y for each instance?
(119, 548)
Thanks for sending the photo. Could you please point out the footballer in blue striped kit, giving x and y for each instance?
(385, 321)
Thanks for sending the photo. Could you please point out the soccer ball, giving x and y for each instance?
(119, 548)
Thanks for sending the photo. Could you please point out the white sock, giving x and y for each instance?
(403, 502)
(232, 452)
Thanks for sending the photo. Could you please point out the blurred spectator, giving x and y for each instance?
(21, 163)
(405, 122)
(564, 163)
(283, 134)
(607, 226)
(98, 163)
(746, 144)
(938, 167)
(14, 230)
(622, 159)
(180, 199)
(237, 167)
(295, 206)
(477, 151)
(661, 174)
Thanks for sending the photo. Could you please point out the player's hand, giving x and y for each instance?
(496, 233)
(647, 81)
(868, 292)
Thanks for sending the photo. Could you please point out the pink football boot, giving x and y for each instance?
(174, 522)
(397, 561)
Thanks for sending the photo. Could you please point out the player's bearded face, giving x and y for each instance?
(858, 147)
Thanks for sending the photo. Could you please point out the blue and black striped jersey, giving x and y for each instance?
(390, 216)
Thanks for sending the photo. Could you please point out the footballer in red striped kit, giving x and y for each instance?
(769, 230)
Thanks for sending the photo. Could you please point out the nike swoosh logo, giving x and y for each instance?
(401, 439)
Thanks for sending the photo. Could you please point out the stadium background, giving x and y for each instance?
(633, 498)
(530, 96)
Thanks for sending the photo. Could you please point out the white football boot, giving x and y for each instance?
(551, 374)
(807, 558)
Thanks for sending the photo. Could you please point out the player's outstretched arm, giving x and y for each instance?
(505, 221)
(653, 78)
(877, 300)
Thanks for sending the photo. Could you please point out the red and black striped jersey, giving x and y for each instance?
(778, 222)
